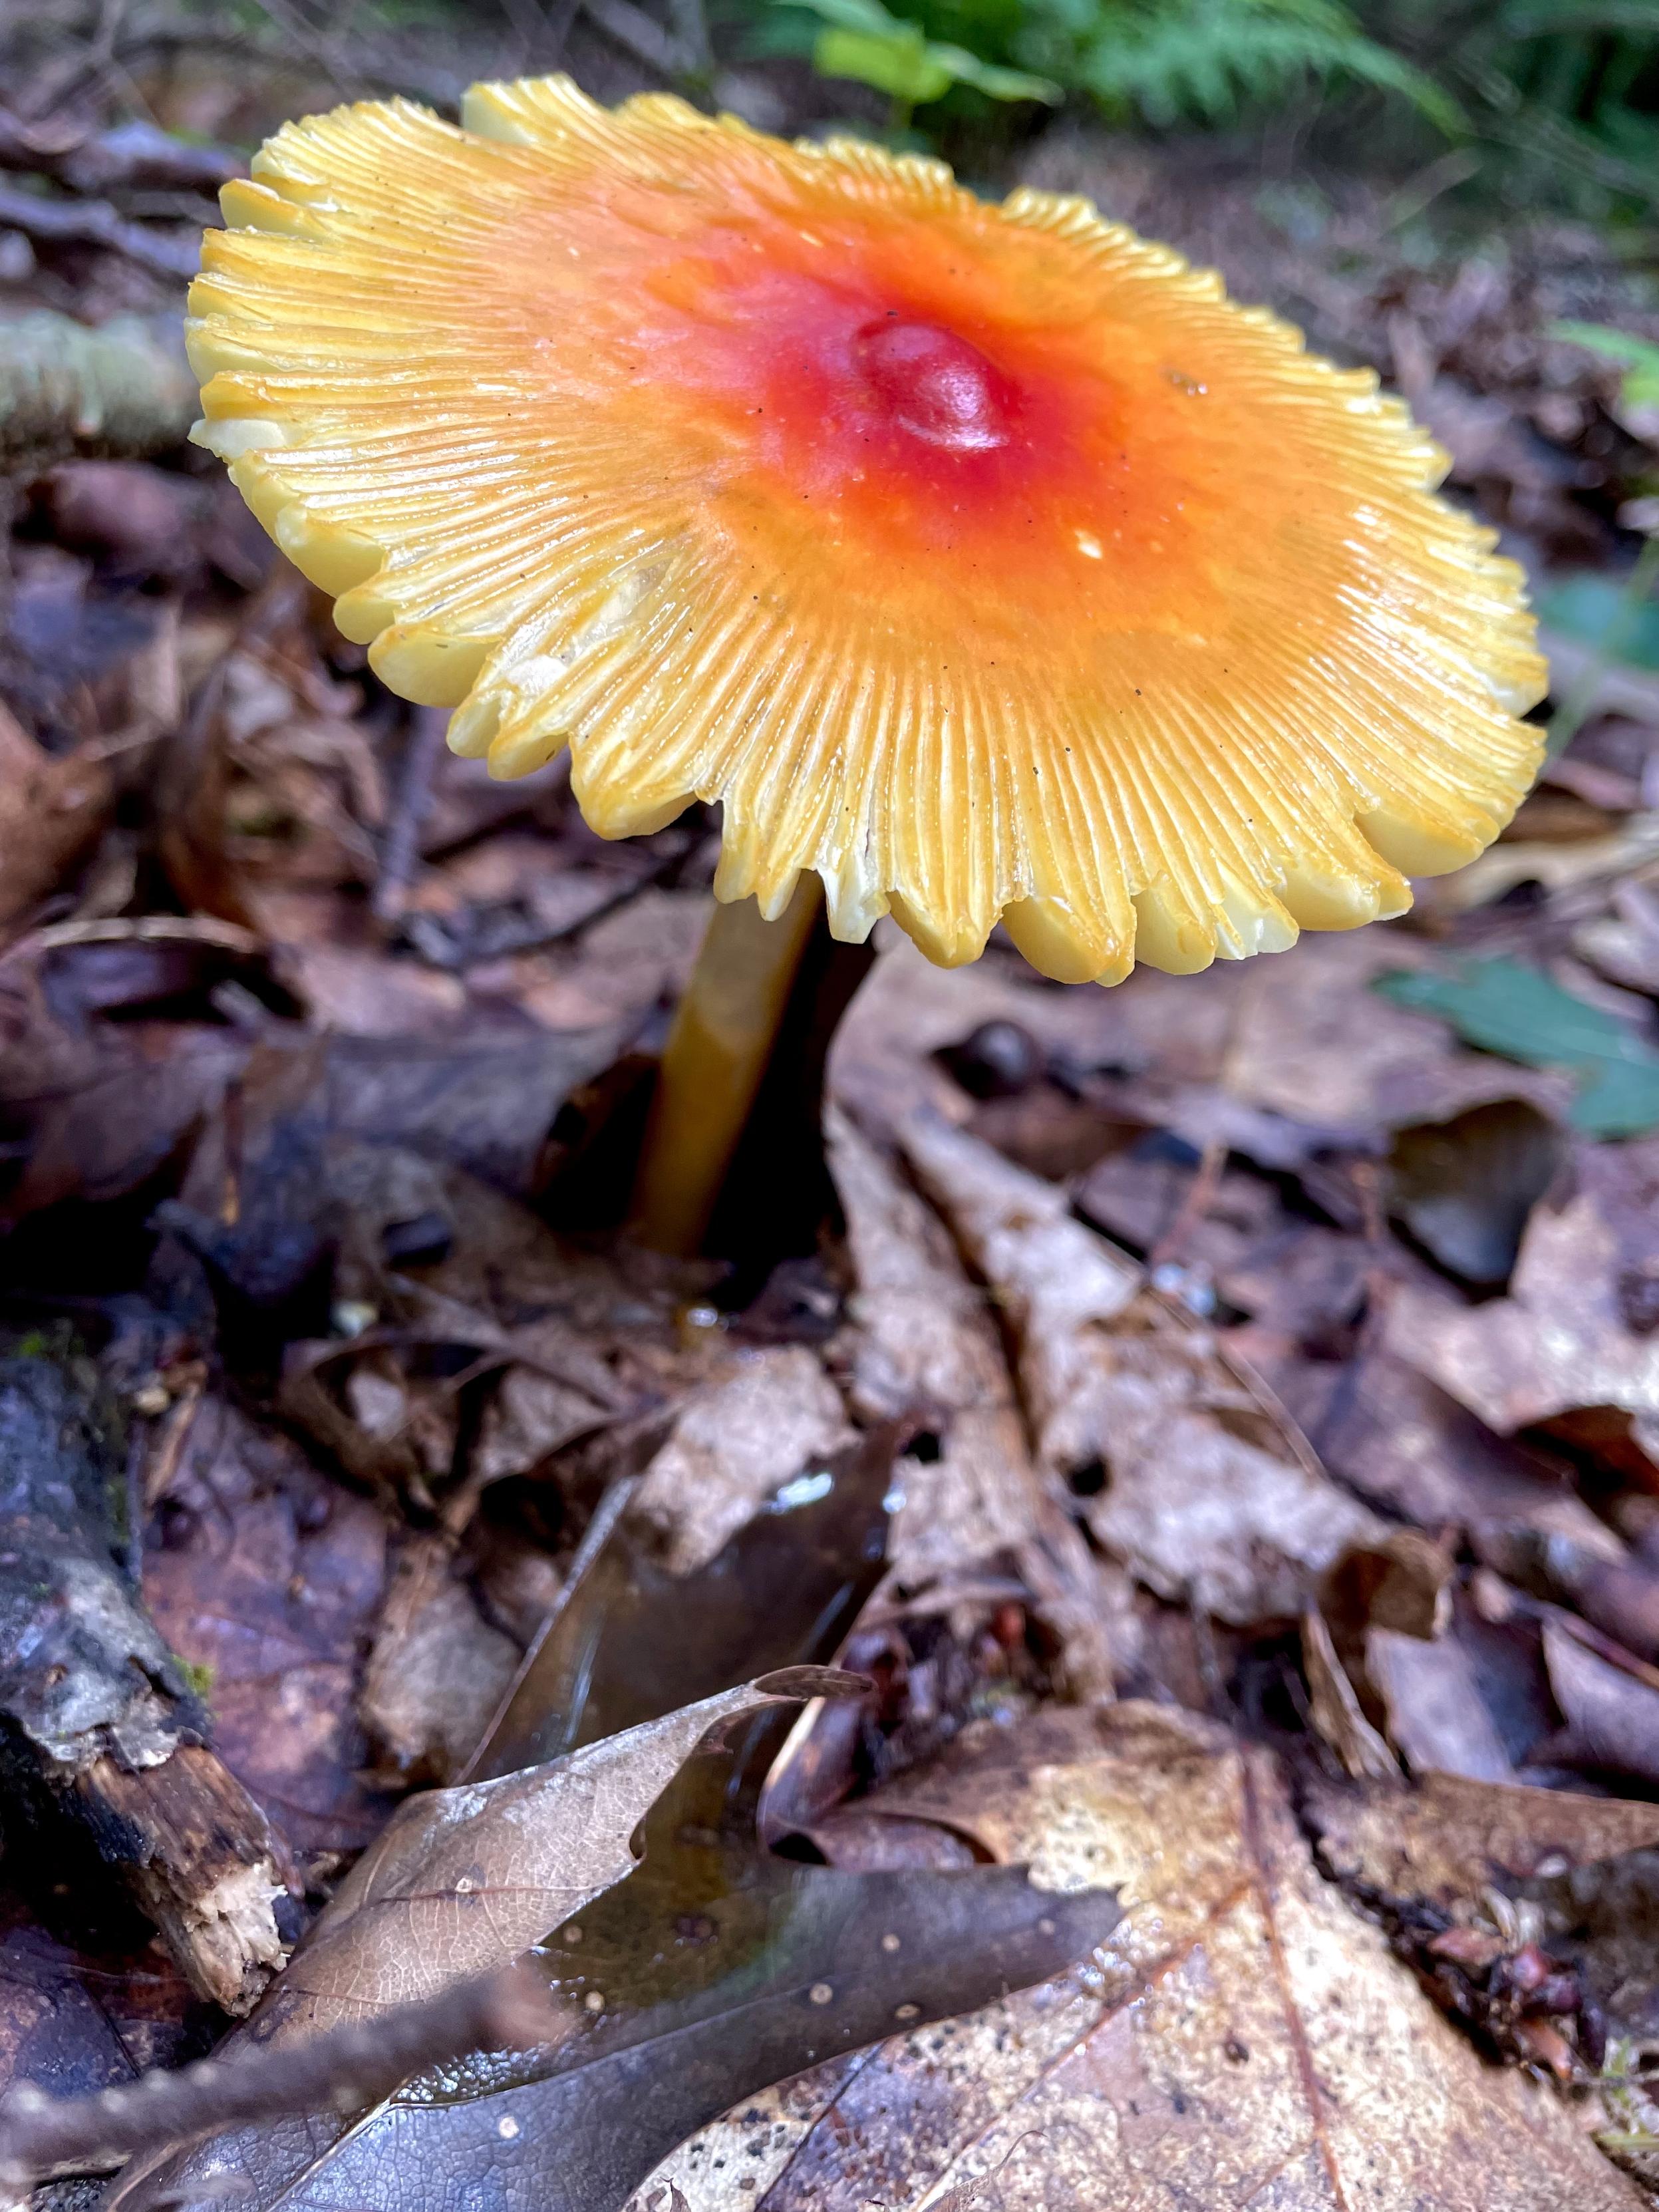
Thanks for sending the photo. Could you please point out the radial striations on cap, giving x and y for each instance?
(985, 559)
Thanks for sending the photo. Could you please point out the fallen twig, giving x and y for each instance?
(400, 849)
(95, 222)
(343, 2071)
(135, 154)
(468, 941)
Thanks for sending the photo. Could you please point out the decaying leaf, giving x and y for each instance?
(268, 1578)
(733, 1445)
(1308, 1041)
(1464, 1187)
(1523, 1911)
(94, 1107)
(1186, 1470)
(1611, 1712)
(627, 1637)
(73, 2018)
(51, 810)
(437, 1672)
(1246, 2039)
(1435, 1716)
(1408, 1447)
(924, 1349)
(464, 1881)
(1443, 1842)
(707, 1974)
(1572, 1344)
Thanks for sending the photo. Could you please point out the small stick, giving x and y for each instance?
(176, 252)
(401, 849)
(344, 2069)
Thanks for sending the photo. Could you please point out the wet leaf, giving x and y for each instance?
(75, 2016)
(627, 1636)
(733, 1444)
(1246, 2039)
(712, 1971)
(1464, 1187)
(721, 1971)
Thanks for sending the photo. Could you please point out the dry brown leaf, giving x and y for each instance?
(1435, 1716)
(1248, 2039)
(1391, 1673)
(1573, 1340)
(51, 807)
(1444, 1840)
(882, 1064)
(733, 1444)
(1611, 1712)
(534, 1413)
(437, 1669)
(1312, 1041)
(1188, 1471)
(1335, 1710)
(924, 1347)
(1406, 1446)
(462, 1881)
(1059, 1286)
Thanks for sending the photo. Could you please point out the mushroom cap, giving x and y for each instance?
(984, 558)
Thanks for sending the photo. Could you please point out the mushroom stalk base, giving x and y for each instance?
(713, 1063)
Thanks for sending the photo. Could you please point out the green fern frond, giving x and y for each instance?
(1204, 60)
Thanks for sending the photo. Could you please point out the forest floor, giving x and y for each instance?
(1220, 1424)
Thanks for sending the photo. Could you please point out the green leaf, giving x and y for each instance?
(1599, 612)
(873, 47)
(1506, 1008)
(902, 68)
(1639, 357)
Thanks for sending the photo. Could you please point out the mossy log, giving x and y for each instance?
(65, 388)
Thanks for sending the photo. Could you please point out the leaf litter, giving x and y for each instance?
(1217, 1426)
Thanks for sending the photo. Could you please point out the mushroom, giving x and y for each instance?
(982, 561)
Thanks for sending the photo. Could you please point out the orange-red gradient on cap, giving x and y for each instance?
(983, 558)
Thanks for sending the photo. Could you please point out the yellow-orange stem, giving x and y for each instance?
(712, 1064)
